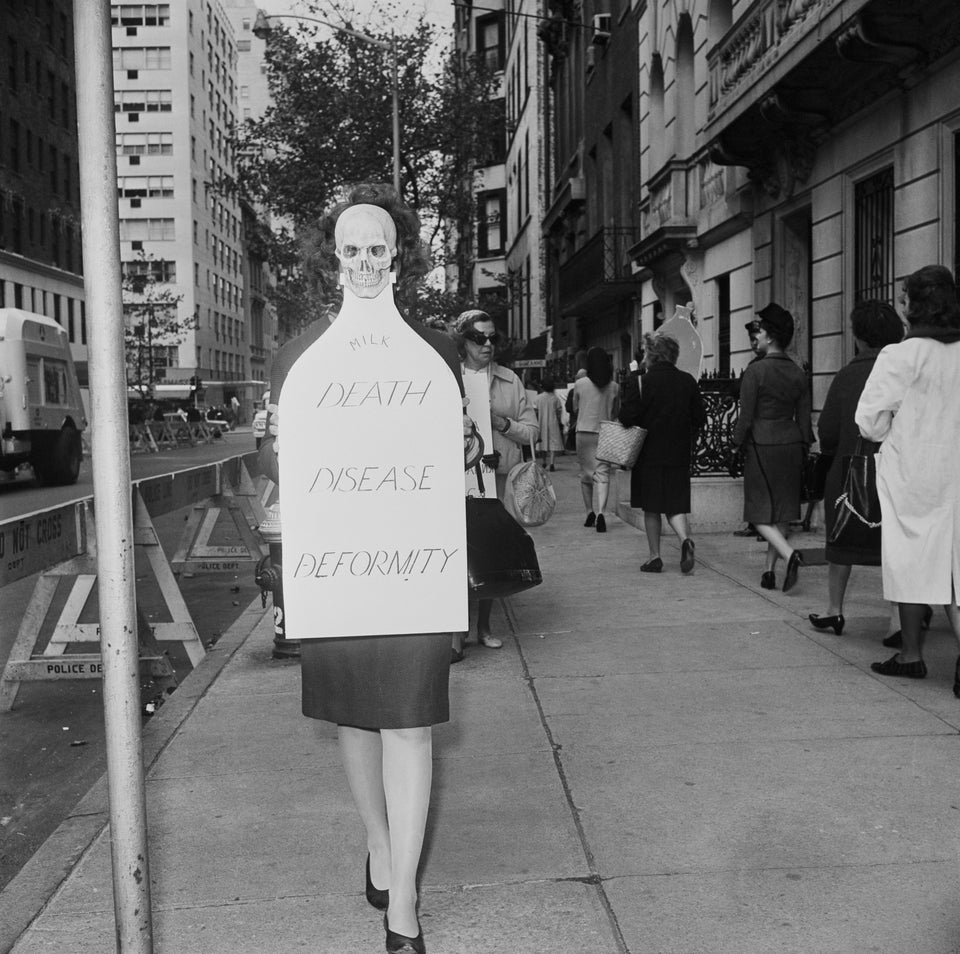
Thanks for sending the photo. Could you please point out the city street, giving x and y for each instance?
(670, 763)
(52, 742)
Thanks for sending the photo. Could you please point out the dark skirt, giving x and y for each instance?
(377, 682)
(660, 489)
(844, 556)
(771, 482)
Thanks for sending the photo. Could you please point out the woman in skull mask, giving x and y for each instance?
(384, 692)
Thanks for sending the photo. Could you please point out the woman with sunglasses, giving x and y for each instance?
(513, 422)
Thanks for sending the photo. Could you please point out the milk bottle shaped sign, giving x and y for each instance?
(680, 326)
(371, 463)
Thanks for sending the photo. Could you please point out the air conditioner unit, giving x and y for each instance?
(602, 25)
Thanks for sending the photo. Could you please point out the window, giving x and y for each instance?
(490, 40)
(141, 14)
(160, 270)
(145, 144)
(141, 58)
(14, 145)
(138, 230)
(723, 326)
(12, 63)
(498, 135)
(491, 207)
(143, 101)
(873, 239)
(145, 187)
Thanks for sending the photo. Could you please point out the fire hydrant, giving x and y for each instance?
(269, 578)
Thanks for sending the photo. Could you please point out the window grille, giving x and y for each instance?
(873, 241)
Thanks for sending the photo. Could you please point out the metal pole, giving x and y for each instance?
(396, 114)
(111, 478)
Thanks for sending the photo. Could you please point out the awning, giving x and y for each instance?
(534, 354)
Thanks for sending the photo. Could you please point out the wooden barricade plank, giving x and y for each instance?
(56, 662)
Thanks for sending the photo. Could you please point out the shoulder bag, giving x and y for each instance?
(857, 524)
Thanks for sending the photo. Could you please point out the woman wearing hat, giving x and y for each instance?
(775, 431)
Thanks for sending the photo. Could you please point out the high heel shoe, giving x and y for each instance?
(828, 622)
(401, 944)
(378, 897)
(768, 580)
(793, 568)
(591, 519)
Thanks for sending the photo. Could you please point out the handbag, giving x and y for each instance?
(620, 445)
(814, 476)
(857, 523)
(530, 498)
(501, 556)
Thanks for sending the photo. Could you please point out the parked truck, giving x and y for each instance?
(41, 410)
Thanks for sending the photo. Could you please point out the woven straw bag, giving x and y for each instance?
(620, 445)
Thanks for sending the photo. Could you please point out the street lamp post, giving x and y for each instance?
(262, 29)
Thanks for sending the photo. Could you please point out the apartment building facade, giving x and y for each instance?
(175, 79)
(40, 249)
(592, 217)
(802, 152)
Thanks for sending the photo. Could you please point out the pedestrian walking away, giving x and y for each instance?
(774, 431)
(667, 402)
(910, 403)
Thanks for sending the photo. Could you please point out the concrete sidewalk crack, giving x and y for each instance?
(594, 878)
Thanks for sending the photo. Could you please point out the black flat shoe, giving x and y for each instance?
(828, 622)
(768, 580)
(687, 561)
(893, 667)
(401, 944)
(456, 655)
(652, 566)
(601, 523)
(591, 519)
(894, 640)
(375, 896)
(793, 569)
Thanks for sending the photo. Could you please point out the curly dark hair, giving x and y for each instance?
(933, 297)
(876, 323)
(320, 264)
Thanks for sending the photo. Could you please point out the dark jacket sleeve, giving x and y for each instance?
(630, 401)
(749, 389)
(828, 425)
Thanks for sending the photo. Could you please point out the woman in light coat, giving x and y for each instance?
(911, 402)
(513, 422)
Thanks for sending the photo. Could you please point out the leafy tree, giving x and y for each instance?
(331, 124)
(151, 322)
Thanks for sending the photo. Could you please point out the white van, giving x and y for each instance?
(41, 411)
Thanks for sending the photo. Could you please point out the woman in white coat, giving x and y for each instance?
(910, 402)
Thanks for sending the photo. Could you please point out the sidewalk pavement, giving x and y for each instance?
(664, 764)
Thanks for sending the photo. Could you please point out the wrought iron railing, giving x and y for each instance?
(602, 260)
(713, 449)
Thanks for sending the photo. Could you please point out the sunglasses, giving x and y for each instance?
(479, 338)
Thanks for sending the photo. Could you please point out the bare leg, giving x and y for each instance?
(777, 546)
(361, 751)
(911, 619)
(953, 614)
(407, 777)
(680, 525)
(837, 578)
(893, 623)
(653, 526)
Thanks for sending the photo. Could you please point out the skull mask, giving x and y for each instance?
(366, 238)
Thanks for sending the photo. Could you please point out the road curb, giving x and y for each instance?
(25, 897)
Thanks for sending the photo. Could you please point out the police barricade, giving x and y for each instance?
(60, 545)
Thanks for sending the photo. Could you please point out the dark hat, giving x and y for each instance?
(778, 321)
(752, 326)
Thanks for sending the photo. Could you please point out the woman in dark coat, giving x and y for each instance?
(875, 324)
(775, 432)
(667, 402)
